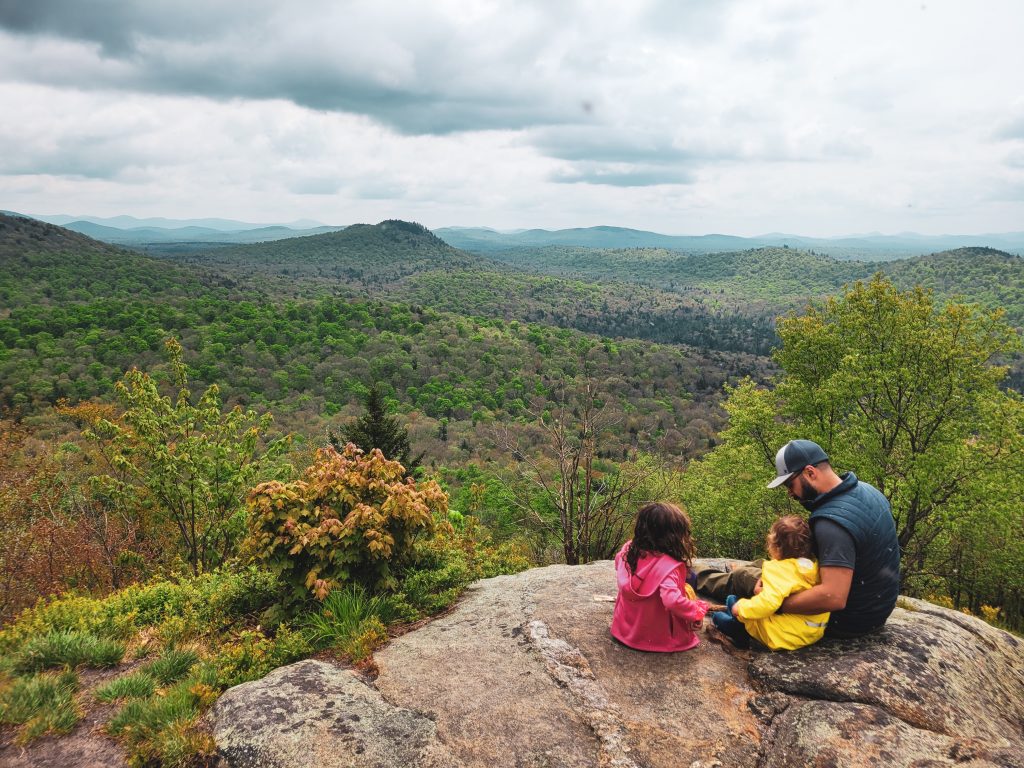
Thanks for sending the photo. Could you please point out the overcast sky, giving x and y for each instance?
(683, 117)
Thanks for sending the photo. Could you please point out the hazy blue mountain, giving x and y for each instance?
(169, 235)
(484, 239)
(194, 237)
(160, 234)
(872, 246)
(130, 222)
(137, 234)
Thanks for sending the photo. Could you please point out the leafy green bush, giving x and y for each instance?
(189, 463)
(434, 590)
(216, 599)
(451, 560)
(41, 704)
(353, 517)
(251, 654)
(68, 648)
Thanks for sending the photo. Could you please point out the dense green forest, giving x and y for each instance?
(721, 301)
(166, 430)
(780, 279)
(397, 261)
(307, 358)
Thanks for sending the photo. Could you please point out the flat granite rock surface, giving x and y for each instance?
(524, 673)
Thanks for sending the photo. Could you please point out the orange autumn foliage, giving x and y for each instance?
(352, 518)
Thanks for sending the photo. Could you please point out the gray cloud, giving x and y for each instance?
(614, 145)
(119, 25)
(87, 157)
(477, 107)
(379, 190)
(1011, 129)
(617, 157)
(691, 20)
(618, 176)
(315, 186)
(1015, 159)
(417, 75)
(416, 71)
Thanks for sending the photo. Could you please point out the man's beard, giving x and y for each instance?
(807, 495)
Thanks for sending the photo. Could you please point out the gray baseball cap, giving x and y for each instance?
(793, 457)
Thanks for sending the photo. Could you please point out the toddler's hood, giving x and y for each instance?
(651, 570)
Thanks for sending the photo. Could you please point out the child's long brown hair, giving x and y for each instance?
(661, 528)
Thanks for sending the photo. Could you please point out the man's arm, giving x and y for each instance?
(829, 595)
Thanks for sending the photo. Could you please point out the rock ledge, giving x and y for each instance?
(524, 673)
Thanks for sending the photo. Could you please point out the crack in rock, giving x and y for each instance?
(571, 670)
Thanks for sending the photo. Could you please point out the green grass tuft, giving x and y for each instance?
(41, 704)
(69, 648)
(344, 610)
(135, 686)
(162, 729)
(172, 666)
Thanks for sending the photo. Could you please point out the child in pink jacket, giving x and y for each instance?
(655, 611)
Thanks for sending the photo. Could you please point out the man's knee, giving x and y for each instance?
(720, 584)
(745, 578)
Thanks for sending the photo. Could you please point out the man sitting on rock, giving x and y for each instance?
(855, 537)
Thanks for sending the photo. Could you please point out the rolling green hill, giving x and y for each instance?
(42, 264)
(723, 301)
(308, 359)
(774, 277)
(305, 325)
(404, 262)
(980, 275)
(362, 254)
(775, 280)
(872, 247)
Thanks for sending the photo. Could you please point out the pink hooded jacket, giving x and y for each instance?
(653, 612)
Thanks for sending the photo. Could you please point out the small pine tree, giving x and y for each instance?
(376, 429)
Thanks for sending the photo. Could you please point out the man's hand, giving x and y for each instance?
(829, 595)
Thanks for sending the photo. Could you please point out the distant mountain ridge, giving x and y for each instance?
(868, 247)
(159, 222)
(143, 236)
(166, 235)
(160, 234)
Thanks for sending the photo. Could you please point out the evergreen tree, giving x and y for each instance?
(377, 429)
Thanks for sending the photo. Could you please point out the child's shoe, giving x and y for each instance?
(732, 628)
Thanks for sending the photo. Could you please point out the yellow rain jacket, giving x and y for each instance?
(782, 631)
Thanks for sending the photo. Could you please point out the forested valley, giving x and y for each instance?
(186, 441)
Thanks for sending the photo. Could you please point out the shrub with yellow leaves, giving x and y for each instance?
(353, 517)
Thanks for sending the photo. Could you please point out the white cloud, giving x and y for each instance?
(676, 116)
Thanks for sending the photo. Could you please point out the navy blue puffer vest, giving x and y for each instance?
(865, 514)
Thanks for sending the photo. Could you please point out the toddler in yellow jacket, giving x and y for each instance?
(791, 569)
